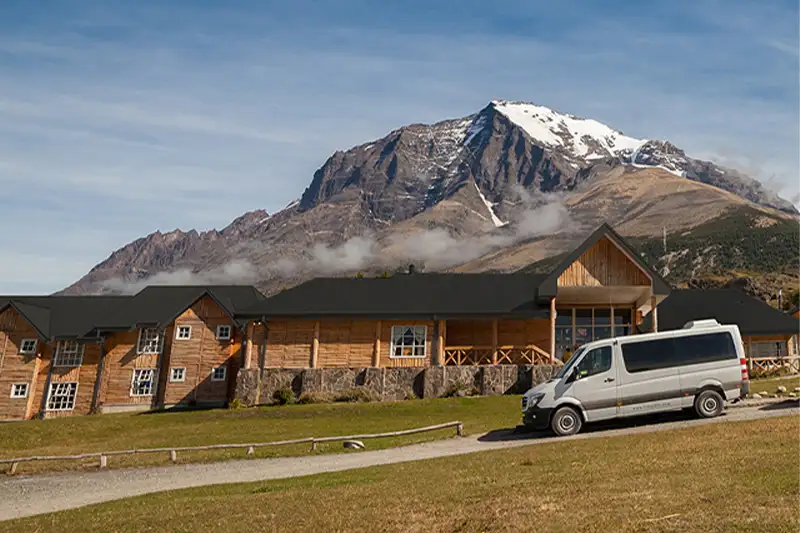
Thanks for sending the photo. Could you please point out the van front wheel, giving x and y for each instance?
(708, 404)
(566, 421)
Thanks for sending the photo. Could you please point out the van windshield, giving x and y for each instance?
(572, 361)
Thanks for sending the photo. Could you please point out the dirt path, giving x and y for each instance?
(38, 494)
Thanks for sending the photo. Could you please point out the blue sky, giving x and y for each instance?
(119, 118)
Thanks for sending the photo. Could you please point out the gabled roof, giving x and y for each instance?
(549, 286)
(727, 306)
(159, 305)
(407, 296)
(63, 317)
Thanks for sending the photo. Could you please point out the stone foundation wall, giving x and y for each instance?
(254, 387)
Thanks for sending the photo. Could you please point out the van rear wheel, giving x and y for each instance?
(708, 404)
(566, 421)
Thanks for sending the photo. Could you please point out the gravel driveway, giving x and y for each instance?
(44, 493)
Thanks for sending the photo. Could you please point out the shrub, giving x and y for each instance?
(236, 403)
(459, 389)
(284, 395)
(357, 394)
(314, 397)
(411, 395)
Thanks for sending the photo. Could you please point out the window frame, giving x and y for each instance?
(224, 377)
(160, 348)
(172, 378)
(77, 355)
(26, 387)
(413, 346)
(32, 351)
(153, 383)
(53, 387)
(672, 359)
(230, 332)
(178, 333)
(586, 356)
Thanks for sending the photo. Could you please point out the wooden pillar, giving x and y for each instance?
(442, 341)
(654, 313)
(248, 345)
(553, 329)
(376, 349)
(315, 346)
(34, 381)
(494, 341)
(749, 350)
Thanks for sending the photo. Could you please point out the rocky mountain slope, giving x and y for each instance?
(499, 189)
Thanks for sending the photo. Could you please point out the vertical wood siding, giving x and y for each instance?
(121, 360)
(14, 366)
(603, 265)
(200, 354)
(289, 343)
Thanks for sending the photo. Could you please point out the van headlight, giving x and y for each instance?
(529, 402)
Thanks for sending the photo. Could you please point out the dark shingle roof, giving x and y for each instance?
(58, 317)
(727, 306)
(407, 296)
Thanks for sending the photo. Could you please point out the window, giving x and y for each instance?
(408, 341)
(678, 351)
(177, 375)
(27, 346)
(19, 390)
(61, 396)
(223, 333)
(68, 353)
(143, 382)
(596, 361)
(577, 326)
(219, 373)
(768, 349)
(150, 341)
(183, 333)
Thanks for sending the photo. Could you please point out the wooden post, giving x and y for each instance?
(103, 461)
(248, 346)
(376, 349)
(749, 354)
(553, 330)
(173, 456)
(315, 346)
(14, 467)
(654, 313)
(494, 341)
(440, 341)
(34, 382)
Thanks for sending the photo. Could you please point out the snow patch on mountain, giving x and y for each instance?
(490, 206)
(584, 138)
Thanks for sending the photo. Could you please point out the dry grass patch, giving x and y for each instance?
(196, 428)
(730, 477)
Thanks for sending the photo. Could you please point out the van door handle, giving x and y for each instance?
(609, 380)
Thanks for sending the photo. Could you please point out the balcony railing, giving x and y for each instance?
(485, 355)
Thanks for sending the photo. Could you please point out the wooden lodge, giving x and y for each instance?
(183, 346)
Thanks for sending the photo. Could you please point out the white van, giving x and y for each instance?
(699, 367)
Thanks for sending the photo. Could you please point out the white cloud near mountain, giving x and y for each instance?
(112, 127)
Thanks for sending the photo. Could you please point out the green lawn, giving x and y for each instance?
(770, 385)
(711, 478)
(193, 428)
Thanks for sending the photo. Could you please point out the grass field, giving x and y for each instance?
(771, 384)
(731, 477)
(195, 428)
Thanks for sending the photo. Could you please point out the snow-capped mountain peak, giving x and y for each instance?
(584, 138)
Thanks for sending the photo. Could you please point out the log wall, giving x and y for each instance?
(15, 367)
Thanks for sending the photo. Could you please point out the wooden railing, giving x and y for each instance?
(485, 355)
(102, 457)
(758, 365)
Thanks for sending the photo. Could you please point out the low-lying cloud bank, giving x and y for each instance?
(435, 249)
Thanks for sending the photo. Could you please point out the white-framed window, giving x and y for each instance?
(219, 373)
(27, 346)
(143, 381)
(223, 333)
(19, 390)
(177, 375)
(151, 341)
(408, 341)
(61, 396)
(183, 333)
(68, 353)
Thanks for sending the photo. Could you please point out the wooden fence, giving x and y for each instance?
(765, 365)
(102, 457)
(488, 355)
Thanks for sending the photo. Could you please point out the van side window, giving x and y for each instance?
(596, 361)
(708, 348)
(648, 355)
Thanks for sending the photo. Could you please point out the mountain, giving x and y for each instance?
(497, 190)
